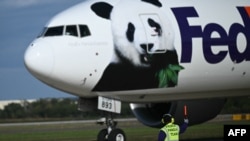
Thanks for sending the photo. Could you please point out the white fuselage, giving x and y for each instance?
(211, 38)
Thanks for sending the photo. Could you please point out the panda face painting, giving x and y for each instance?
(144, 48)
(144, 55)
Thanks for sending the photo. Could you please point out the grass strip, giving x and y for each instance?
(134, 131)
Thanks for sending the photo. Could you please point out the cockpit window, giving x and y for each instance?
(84, 30)
(71, 30)
(54, 31)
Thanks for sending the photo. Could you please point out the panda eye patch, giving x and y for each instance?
(155, 25)
(130, 32)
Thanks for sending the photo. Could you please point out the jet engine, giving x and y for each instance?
(198, 111)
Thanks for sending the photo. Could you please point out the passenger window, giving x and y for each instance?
(84, 30)
(71, 30)
(54, 31)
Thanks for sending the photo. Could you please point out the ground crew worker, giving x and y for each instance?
(171, 131)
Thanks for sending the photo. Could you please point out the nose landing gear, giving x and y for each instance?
(111, 133)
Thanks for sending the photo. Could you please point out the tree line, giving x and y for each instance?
(67, 108)
(51, 108)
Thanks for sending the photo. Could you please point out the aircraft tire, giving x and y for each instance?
(117, 135)
(102, 135)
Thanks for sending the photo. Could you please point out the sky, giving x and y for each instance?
(20, 23)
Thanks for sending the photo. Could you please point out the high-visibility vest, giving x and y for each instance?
(172, 132)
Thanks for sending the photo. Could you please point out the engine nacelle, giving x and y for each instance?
(199, 111)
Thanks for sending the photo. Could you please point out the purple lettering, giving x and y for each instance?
(189, 32)
(209, 42)
(234, 31)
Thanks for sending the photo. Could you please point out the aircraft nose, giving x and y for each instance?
(38, 59)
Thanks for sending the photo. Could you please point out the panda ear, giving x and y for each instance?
(154, 2)
(102, 9)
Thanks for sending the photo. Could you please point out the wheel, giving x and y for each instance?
(102, 135)
(117, 135)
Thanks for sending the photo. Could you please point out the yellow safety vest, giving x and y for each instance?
(172, 132)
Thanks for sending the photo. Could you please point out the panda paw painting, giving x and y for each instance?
(144, 53)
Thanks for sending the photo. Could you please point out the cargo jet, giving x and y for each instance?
(158, 55)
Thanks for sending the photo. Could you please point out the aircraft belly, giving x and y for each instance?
(142, 96)
(216, 82)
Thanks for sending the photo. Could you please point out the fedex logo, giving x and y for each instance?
(229, 39)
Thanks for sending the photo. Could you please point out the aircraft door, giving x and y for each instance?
(153, 32)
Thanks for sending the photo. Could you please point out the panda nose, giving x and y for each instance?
(147, 47)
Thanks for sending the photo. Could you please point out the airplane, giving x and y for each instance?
(158, 55)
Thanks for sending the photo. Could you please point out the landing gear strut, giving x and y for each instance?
(111, 133)
(110, 106)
